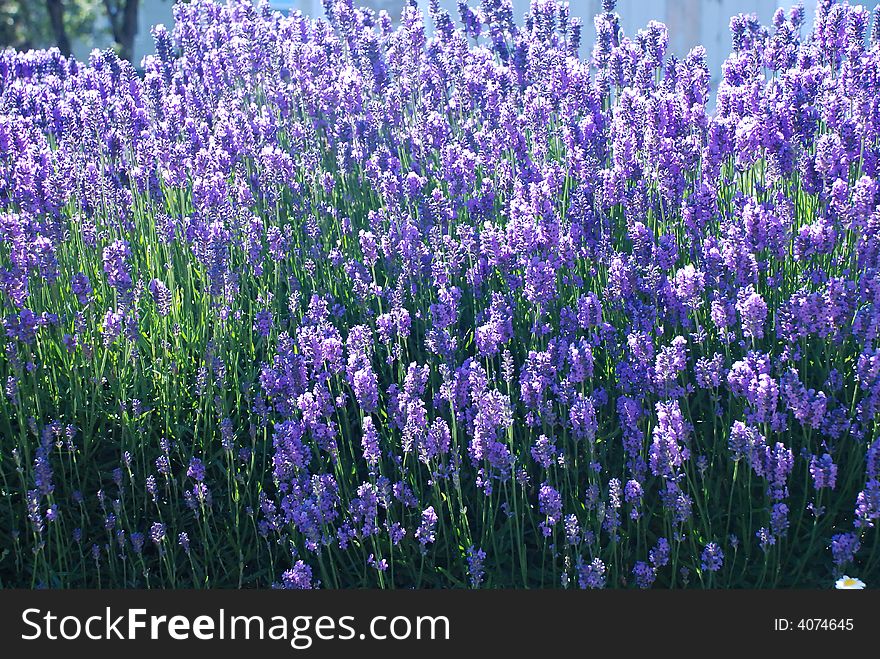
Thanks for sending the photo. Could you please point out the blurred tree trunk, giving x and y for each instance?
(123, 15)
(56, 18)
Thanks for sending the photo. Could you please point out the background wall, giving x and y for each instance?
(690, 22)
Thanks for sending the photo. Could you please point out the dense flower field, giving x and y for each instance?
(336, 303)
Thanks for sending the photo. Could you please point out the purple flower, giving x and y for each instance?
(580, 358)
(403, 493)
(381, 565)
(396, 532)
(366, 389)
(226, 434)
(709, 372)
(43, 470)
(712, 558)
(633, 493)
(778, 461)
(137, 541)
(583, 418)
(659, 556)
(299, 577)
(572, 530)
(425, 534)
(592, 575)
(475, 558)
(263, 322)
(722, 314)
(116, 266)
(112, 326)
(668, 450)
(500, 260)
(544, 451)
(35, 515)
(765, 538)
(437, 441)
(677, 502)
(753, 313)
(22, 326)
(196, 470)
(644, 575)
(498, 328)
(824, 471)
(291, 453)
(161, 296)
(745, 441)
(152, 487)
(157, 532)
(369, 248)
(370, 442)
(81, 287)
(11, 389)
(689, 285)
(670, 361)
(843, 548)
(550, 505)
(868, 504)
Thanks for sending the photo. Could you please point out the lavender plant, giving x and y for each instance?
(344, 302)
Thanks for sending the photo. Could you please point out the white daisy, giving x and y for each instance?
(849, 583)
